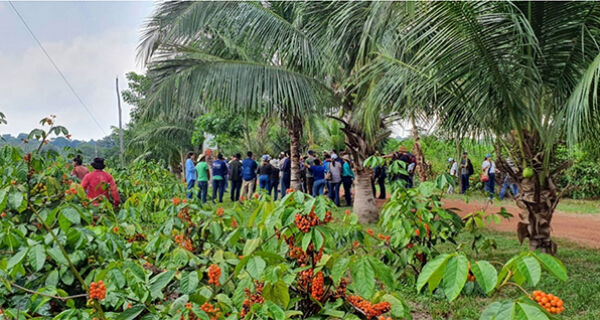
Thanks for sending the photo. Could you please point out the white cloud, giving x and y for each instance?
(32, 89)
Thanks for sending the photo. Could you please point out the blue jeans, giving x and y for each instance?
(218, 185)
(513, 187)
(190, 185)
(490, 184)
(285, 184)
(203, 192)
(334, 192)
(263, 183)
(464, 179)
(236, 186)
(273, 184)
(318, 187)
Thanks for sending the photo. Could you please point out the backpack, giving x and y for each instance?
(470, 169)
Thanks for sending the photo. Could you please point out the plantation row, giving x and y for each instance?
(64, 256)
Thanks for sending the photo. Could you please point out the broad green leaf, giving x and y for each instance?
(15, 200)
(399, 308)
(455, 276)
(500, 311)
(37, 257)
(278, 293)
(52, 278)
(363, 277)
(485, 274)
(383, 272)
(250, 246)
(189, 282)
(130, 313)
(57, 255)
(71, 214)
(158, 282)
(531, 312)
(339, 269)
(552, 265)
(276, 312)
(530, 269)
(432, 272)
(256, 267)
(136, 271)
(17, 258)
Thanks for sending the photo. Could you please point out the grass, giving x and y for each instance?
(580, 293)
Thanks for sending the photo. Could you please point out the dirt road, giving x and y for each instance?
(582, 229)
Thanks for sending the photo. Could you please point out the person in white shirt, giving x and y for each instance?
(489, 167)
(453, 173)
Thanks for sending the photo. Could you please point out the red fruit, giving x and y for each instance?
(214, 273)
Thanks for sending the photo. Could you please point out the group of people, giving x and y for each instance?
(271, 175)
(97, 183)
(464, 170)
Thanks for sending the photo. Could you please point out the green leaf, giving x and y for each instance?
(363, 277)
(485, 274)
(37, 257)
(530, 269)
(552, 265)
(57, 255)
(158, 282)
(531, 312)
(71, 214)
(52, 278)
(136, 271)
(130, 313)
(455, 276)
(15, 200)
(276, 312)
(17, 258)
(278, 293)
(399, 308)
(432, 272)
(339, 269)
(383, 272)
(189, 282)
(306, 239)
(250, 246)
(256, 267)
(499, 311)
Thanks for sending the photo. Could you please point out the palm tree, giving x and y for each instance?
(525, 74)
(291, 59)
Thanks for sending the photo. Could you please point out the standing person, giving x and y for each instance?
(379, 176)
(488, 167)
(318, 172)
(249, 167)
(453, 172)
(409, 165)
(98, 183)
(310, 180)
(264, 174)
(203, 174)
(235, 176)
(190, 173)
(219, 177)
(286, 174)
(334, 170)
(79, 171)
(347, 179)
(466, 170)
(274, 178)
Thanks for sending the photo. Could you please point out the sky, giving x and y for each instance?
(91, 42)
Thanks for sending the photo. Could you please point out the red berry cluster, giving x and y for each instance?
(214, 273)
(340, 292)
(548, 301)
(317, 290)
(234, 223)
(185, 243)
(213, 313)
(176, 201)
(97, 290)
(220, 212)
(370, 310)
(385, 238)
(304, 223)
(252, 298)
(184, 215)
(304, 278)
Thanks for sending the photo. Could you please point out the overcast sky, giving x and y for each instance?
(91, 42)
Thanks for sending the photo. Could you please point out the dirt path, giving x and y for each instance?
(582, 229)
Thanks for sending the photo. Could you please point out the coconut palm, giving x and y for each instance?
(285, 58)
(525, 74)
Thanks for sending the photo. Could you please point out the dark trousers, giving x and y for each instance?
(218, 186)
(203, 192)
(285, 184)
(334, 192)
(464, 180)
(273, 184)
(347, 182)
(491, 185)
(310, 182)
(190, 185)
(381, 183)
(236, 186)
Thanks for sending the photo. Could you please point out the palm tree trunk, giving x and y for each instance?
(294, 127)
(421, 166)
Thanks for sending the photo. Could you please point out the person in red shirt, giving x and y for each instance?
(79, 171)
(98, 183)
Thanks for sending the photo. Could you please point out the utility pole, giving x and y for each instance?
(121, 149)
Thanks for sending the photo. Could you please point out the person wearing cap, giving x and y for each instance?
(99, 183)
(489, 167)
(347, 179)
(453, 172)
(219, 177)
(79, 171)
(203, 173)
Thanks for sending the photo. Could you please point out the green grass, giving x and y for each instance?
(580, 293)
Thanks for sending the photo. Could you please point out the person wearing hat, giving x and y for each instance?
(79, 171)
(453, 172)
(95, 182)
(219, 177)
(264, 174)
(203, 176)
(488, 167)
(347, 179)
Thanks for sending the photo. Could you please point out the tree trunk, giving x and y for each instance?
(294, 127)
(421, 166)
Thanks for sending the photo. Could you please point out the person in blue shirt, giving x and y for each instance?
(286, 174)
(318, 172)
(249, 167)
(347, 179)
(190, 173)
(219, 177)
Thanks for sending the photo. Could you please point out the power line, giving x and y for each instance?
(56, 67)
